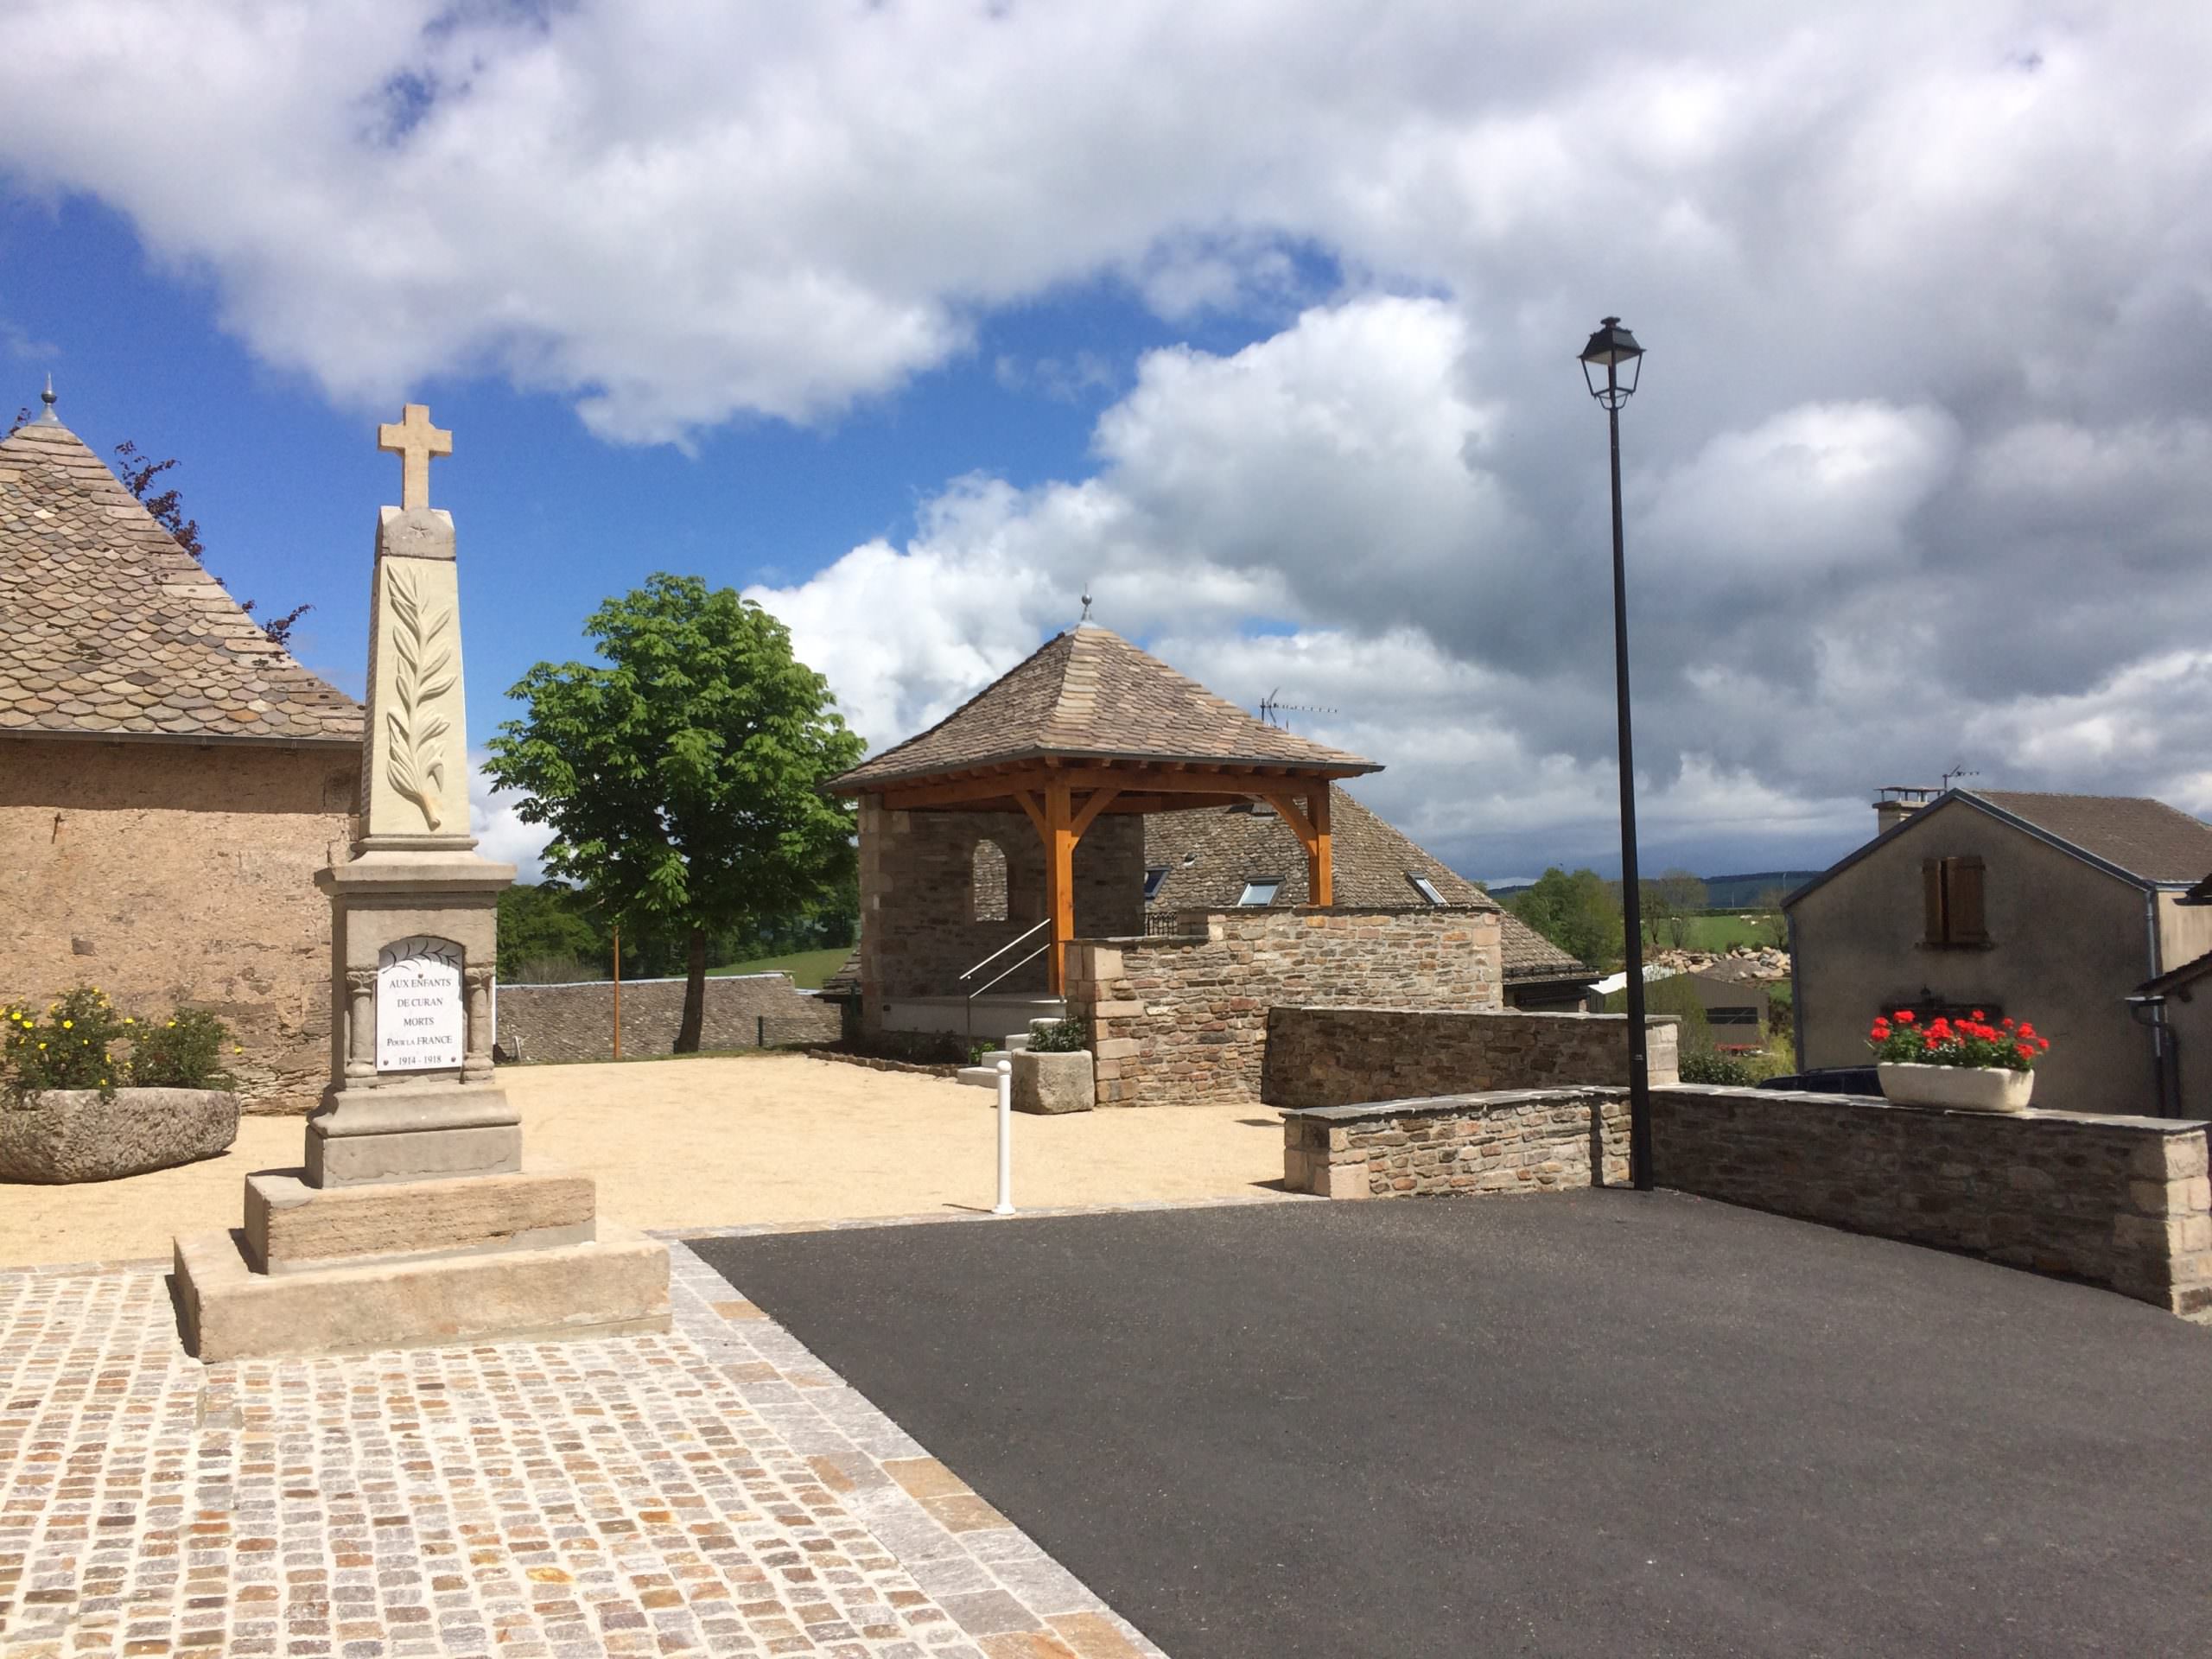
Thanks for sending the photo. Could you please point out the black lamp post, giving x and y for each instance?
(1614, 349)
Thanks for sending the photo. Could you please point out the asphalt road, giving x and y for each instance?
(1595, 1423)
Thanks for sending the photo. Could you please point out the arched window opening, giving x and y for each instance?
(988, 885)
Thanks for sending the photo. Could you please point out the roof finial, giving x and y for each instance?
(47, 417)
(1086, 603)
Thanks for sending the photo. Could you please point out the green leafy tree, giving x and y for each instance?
(545, 924)
(682, 774)
(1580, 913)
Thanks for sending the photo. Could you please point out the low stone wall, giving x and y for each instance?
(2118, 1201)
(1515, 1140)
(1183, 1020)
(1342, 1056)
(571, 1023)
(2123, 1202)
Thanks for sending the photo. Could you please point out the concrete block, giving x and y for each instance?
(616, 1285)
(1342, 1180)
(1052, 1084)
(424, 1155)
(291, 1227)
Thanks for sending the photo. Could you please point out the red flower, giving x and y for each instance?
(1904, 1016)
(2025, 1052)
(1978, 1015)
(2008, 1022)
(2026, 1029)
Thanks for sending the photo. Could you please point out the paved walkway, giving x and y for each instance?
(717, 1490)
(699, 1142)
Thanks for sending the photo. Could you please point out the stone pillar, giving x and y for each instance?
(360, 1017)
(478, 1065)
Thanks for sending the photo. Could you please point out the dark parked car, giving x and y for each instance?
(1831, 1080)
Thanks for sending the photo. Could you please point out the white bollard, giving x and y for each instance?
(1005, 1205)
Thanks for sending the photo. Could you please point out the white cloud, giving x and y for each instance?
(1334, 479)
(1918, 473)
(495, 820)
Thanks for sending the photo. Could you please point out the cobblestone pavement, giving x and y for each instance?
(716, 1491)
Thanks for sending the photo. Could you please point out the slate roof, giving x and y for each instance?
(1209, 854)
(1090, 694)
(2145, 837)
(2131, 837)
(108, 628)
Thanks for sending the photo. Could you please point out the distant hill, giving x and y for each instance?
(1741, 892)
(1723, 892)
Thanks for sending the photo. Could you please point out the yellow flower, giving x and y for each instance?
(68, 1024)
(237, 1049)
(172, 1025)
(129, 1022)
(41, 1045)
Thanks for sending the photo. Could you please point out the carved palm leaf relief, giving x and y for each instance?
(428, 668)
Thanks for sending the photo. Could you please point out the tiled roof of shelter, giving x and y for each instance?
(1209, 856)
(2145, 837)
(1090, 694)
(108, 627)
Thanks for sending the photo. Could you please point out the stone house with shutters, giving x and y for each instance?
(2050, 908)
(170, 780)
(1239, 856)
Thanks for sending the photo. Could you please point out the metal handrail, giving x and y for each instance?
(1000, 951)
(969, 1021)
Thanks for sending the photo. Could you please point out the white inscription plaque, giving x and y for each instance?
(422, 1025)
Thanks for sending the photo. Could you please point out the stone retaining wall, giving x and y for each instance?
(1341, 1057)
(2123, 1202)
(1512, 1141)
(1177, 1021)
(571, 1023)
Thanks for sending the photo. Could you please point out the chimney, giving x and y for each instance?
(1894, 802)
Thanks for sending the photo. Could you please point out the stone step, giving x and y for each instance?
(983, 1077)
(1011, 1044)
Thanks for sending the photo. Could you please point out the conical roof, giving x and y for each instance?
(1090, 694)
(108, 628)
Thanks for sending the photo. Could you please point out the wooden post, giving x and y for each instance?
(1059, 879)
(618, 990)
(1320, 869)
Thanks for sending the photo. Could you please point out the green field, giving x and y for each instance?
(807, 969)
(1718, 932)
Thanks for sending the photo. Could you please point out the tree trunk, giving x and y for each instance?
(695, 995)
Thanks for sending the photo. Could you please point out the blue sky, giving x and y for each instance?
(914, 321)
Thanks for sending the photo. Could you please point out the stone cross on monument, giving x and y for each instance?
(414, 440)
(413, 1220)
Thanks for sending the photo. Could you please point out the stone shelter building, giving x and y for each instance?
(1001, 847)
(2050, 908)
(1238, 856)
(170, 780)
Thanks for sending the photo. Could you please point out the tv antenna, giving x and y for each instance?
(1959, 771)
(1272, 708)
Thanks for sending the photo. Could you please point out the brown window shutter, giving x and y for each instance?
(1931, 899)
(1963, 900)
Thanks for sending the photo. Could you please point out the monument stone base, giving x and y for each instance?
(615, 1286)
(336, 1270)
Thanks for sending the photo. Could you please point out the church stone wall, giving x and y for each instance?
(175, 872)
(918, 931)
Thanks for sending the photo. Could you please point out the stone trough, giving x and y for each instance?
(57, 1136)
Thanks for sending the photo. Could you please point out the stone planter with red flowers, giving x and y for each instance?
(1966, 1064)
